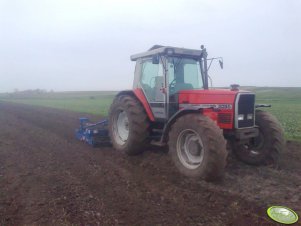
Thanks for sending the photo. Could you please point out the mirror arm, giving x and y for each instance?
(216, 58)
(211, 60)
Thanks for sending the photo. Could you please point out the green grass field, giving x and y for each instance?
(94, 102)
(286, 103)
(286, 106)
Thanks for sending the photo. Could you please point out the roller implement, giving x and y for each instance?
(93, 133)
(172, 105)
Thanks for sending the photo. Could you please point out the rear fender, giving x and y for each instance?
(138, 93)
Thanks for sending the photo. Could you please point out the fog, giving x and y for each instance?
(65, 45)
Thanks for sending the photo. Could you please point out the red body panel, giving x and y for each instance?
(202, 97)
(140, 95)
(211, 97)
(207, 96)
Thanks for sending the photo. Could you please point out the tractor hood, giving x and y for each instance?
(209, 97)
(222, 105)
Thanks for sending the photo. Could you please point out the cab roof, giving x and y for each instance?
(167, 50)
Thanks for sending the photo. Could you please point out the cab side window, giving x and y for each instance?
(152, 80)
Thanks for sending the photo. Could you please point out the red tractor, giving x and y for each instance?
(171, 104)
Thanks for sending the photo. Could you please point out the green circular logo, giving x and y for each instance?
(282, 214)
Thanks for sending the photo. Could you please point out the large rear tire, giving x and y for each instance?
(128, 125)
(197, 147)
(267, 147)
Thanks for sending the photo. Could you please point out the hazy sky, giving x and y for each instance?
(86, 44)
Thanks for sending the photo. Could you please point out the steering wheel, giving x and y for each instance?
(172, 86)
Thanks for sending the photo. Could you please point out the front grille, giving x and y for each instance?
(245, 103)
(225, 118)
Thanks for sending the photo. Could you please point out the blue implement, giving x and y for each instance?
(93, 133)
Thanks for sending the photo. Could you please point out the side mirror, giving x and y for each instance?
(155, 59)
(221, 64)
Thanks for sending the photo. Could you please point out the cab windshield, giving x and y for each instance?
(184, 74)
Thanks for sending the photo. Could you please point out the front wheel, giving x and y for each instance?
(267, 147)
(197, 147)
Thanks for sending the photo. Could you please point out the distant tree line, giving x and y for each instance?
(33, 91)
(27, 93)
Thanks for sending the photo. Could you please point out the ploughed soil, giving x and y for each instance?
(47, 177)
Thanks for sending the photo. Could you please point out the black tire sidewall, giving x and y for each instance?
(138, 129)
(189, 172)
(114, 110)
(265, 121)
(203, 171)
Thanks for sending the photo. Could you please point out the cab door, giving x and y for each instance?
(152, 81)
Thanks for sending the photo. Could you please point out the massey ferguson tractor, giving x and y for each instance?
(171, 104)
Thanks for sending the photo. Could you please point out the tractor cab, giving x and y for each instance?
(162, 72)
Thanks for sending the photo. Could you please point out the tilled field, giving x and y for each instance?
(49, 178)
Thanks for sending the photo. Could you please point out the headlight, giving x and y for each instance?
(250, 116)
(240, 117)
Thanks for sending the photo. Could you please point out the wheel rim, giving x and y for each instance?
(190, 149)
(121, 127)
